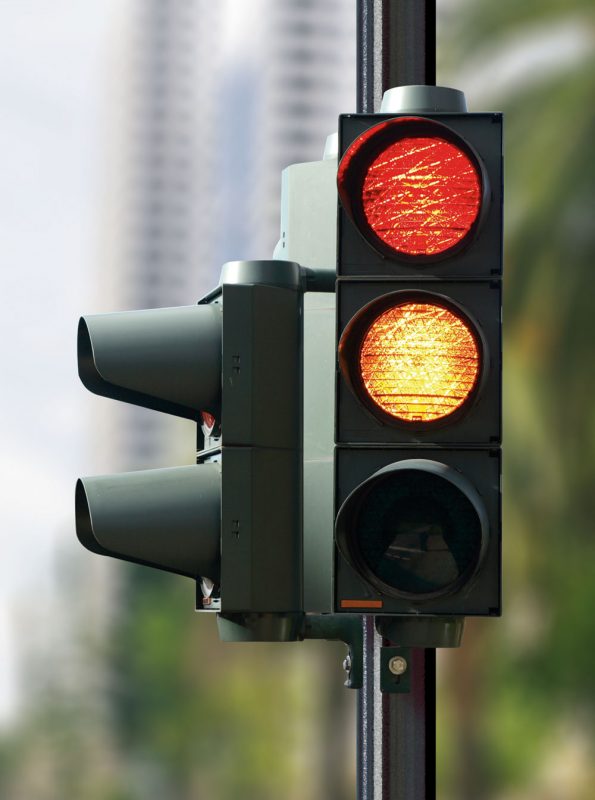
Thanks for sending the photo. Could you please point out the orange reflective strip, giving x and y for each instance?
(361, 604)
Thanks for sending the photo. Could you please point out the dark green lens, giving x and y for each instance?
(417, 532)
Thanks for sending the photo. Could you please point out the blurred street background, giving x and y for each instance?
(141, 147)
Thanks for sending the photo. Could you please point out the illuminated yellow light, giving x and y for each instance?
(419, 362)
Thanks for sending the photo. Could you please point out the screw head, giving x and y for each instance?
(397, 665)
(347, 663)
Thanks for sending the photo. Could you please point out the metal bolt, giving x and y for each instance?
(397, 665)
(347, 663)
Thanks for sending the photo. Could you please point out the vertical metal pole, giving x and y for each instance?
(396, 745)
(409, 734)
(369, 718)
(396, 46)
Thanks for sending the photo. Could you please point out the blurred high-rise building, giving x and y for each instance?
(166, 88)
(161, 205)
(206, 103)
(211, 101)
(206, 116)
(308, 79)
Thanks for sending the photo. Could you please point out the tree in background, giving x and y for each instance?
(521, 690)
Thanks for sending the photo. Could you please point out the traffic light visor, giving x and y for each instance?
(164, 518)
(167, 359)
(416, 529)
(413, 187)
(412, 358)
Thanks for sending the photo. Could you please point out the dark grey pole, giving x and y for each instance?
(396, 46)
(409, 734)
(396, 744)
(369, 718)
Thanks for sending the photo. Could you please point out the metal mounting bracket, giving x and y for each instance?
(345, 628)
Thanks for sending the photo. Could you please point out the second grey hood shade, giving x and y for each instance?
(164, 518)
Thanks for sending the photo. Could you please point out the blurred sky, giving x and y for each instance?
(54, 57)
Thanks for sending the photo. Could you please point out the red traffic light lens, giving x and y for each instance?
(413, 187)
(421, 195)
(413, 361)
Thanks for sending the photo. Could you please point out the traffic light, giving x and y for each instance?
(232, 521)
(418, 390)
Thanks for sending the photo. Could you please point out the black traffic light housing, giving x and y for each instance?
(359, 420)
(407, 480)
(480, 255)
(417, 498)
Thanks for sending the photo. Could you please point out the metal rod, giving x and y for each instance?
(396, 46)
(369, 716)
(396, 732)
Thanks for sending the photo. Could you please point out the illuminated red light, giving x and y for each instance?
(421, 195)
(413, 187)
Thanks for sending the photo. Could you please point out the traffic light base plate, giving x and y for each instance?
(254, 627)
(423, 632)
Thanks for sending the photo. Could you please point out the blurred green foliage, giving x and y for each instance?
(183, 716)
(532, 713)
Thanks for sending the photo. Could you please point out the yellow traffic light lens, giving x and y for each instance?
(419, 362)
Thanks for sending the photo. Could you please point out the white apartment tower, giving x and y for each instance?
(309, 79)
(211, 101)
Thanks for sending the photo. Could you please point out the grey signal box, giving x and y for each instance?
(232, 521)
